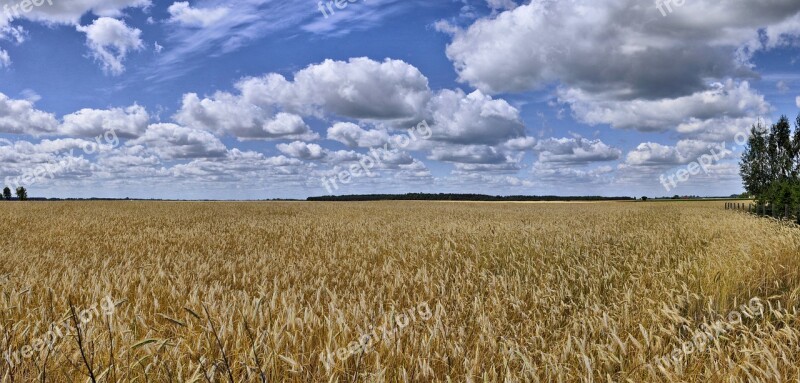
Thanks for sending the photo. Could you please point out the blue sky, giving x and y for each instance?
(264, 99)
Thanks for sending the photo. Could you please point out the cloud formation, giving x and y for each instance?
(110, 40)
(623, 49)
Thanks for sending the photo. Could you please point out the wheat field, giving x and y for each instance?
(396, 292)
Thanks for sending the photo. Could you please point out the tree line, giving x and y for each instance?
(459, 197)
(21, 192)
(770, 165)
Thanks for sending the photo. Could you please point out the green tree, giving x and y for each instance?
(756, 164)
(22, 194)
(770, 165)
(796, 148)
(781, 150)
(7, 193)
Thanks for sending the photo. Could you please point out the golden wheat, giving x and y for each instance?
(515, 292)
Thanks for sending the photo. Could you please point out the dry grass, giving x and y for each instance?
(524, 292)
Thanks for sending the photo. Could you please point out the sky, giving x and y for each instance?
(262, 99)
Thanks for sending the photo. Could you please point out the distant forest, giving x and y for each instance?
(461, 197)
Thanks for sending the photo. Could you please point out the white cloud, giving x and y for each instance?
(684, 152)
(501, 4)
(572, 180)
(473, 119)
(5, 59)
(447, 27)
(797, 101)
(391, 95)
(127, 122)
(110, 40)
(473, 154)
(21, 117)
(30, 95)
(651, 153)
(599, 47)
(717, 129)
(354, 136)
(170, 141)
(27, 163)
(577, 150)
(15, 34)
(224, 113)
(520, 144)
(727, 99)
(242, 168)
(287, 125)
(70, 12)
(184, 14)
(359, 88)
(302, 150)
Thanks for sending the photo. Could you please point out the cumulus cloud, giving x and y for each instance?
(70, 12)
(110, 40)
(128, 122)
(607, 47)
(727, 99)
(26, 164)
(21, 117)
(718, 129)
(171, 141)
(181, 12)
(651, 153)
(302, 150)
(577, 150)
(475, 118)
(354, 136)
(359, 88)
(389, 94)
(520, 143)
(238, 165)
(474, 154)
(685, 151)
(225, 113)
(567, 178)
